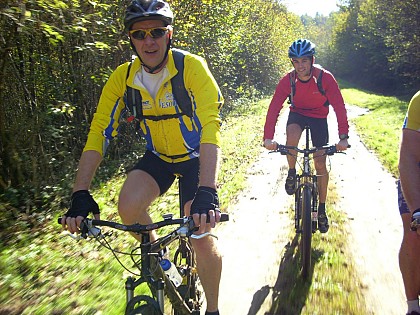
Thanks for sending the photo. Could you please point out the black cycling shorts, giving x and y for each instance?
(164, 174)
(318, 126)
(402, 204)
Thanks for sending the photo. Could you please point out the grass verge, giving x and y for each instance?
(380, 128)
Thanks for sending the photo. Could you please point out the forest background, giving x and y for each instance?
(55, 57)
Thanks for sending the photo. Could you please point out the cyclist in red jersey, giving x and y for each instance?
(309, 106)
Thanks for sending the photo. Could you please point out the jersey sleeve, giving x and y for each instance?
(207, 97)
(280, 95)
(336, 100)
(105, 122)
(412, 119)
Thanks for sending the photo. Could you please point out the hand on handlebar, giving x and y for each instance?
(205, 203)
(342, 145)
(81, 204)
(270, 144)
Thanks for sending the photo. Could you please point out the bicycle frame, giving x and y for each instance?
(153, 275)
(309, 180)
(306, 197)
(306, 207)
(186, 299)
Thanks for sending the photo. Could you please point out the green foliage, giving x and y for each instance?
(380, 128)
(375, 46)
(244, 43)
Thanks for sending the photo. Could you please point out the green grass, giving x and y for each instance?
(380, 129)
(46, 273)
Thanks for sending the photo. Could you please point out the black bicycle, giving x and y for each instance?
(186, 297)
(306, 197)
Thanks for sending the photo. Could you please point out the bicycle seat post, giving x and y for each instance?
(145, 249)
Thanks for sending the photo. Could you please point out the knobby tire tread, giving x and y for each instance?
(306, 239)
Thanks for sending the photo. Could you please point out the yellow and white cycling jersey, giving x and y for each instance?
(173, 140)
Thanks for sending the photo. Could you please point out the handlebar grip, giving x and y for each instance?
(59, 220)
(224, 217)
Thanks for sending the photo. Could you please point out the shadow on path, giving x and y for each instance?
(289, 294)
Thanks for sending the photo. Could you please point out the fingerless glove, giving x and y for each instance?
(205, 199)
(81, 204)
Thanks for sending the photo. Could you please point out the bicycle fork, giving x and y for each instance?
(156, 285)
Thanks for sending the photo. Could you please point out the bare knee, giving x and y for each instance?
(129, 211)
(138, 192)
(320, 167)
(204, 246)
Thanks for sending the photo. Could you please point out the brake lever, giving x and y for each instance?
(200, 236)
(88, 230)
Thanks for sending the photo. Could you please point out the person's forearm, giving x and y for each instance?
(410, 183)
(409, 168)
(88, 164)
(209, 164)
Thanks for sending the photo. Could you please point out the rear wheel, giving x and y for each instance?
(306, 231)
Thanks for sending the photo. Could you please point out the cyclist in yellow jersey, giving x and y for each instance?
(409, 204)
(176, 145)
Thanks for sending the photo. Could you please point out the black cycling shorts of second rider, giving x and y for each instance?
(318, 127)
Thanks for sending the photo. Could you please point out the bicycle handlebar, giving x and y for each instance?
(87, 224)
(329, 150)
(146, 227)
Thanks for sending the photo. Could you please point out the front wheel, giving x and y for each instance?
(142, 304)
(306, 231)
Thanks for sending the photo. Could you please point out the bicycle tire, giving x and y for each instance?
(306, 231)
(314, 205)
(142, 304)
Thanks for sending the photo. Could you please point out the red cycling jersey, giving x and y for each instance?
(308, 101)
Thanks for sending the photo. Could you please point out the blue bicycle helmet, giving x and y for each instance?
(301, 48)
(141, 10)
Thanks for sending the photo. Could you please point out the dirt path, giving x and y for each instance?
(252, 243)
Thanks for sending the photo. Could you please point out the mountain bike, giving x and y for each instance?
(306, 197)
(186, 297)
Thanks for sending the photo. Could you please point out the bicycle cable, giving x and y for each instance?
(104, 243)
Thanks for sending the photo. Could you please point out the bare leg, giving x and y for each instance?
(138, 192)
(293, 133)
(209, 266)
(323, 177)
(409, 257)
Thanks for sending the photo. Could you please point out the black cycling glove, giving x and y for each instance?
(81, 204)
(205, 199)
